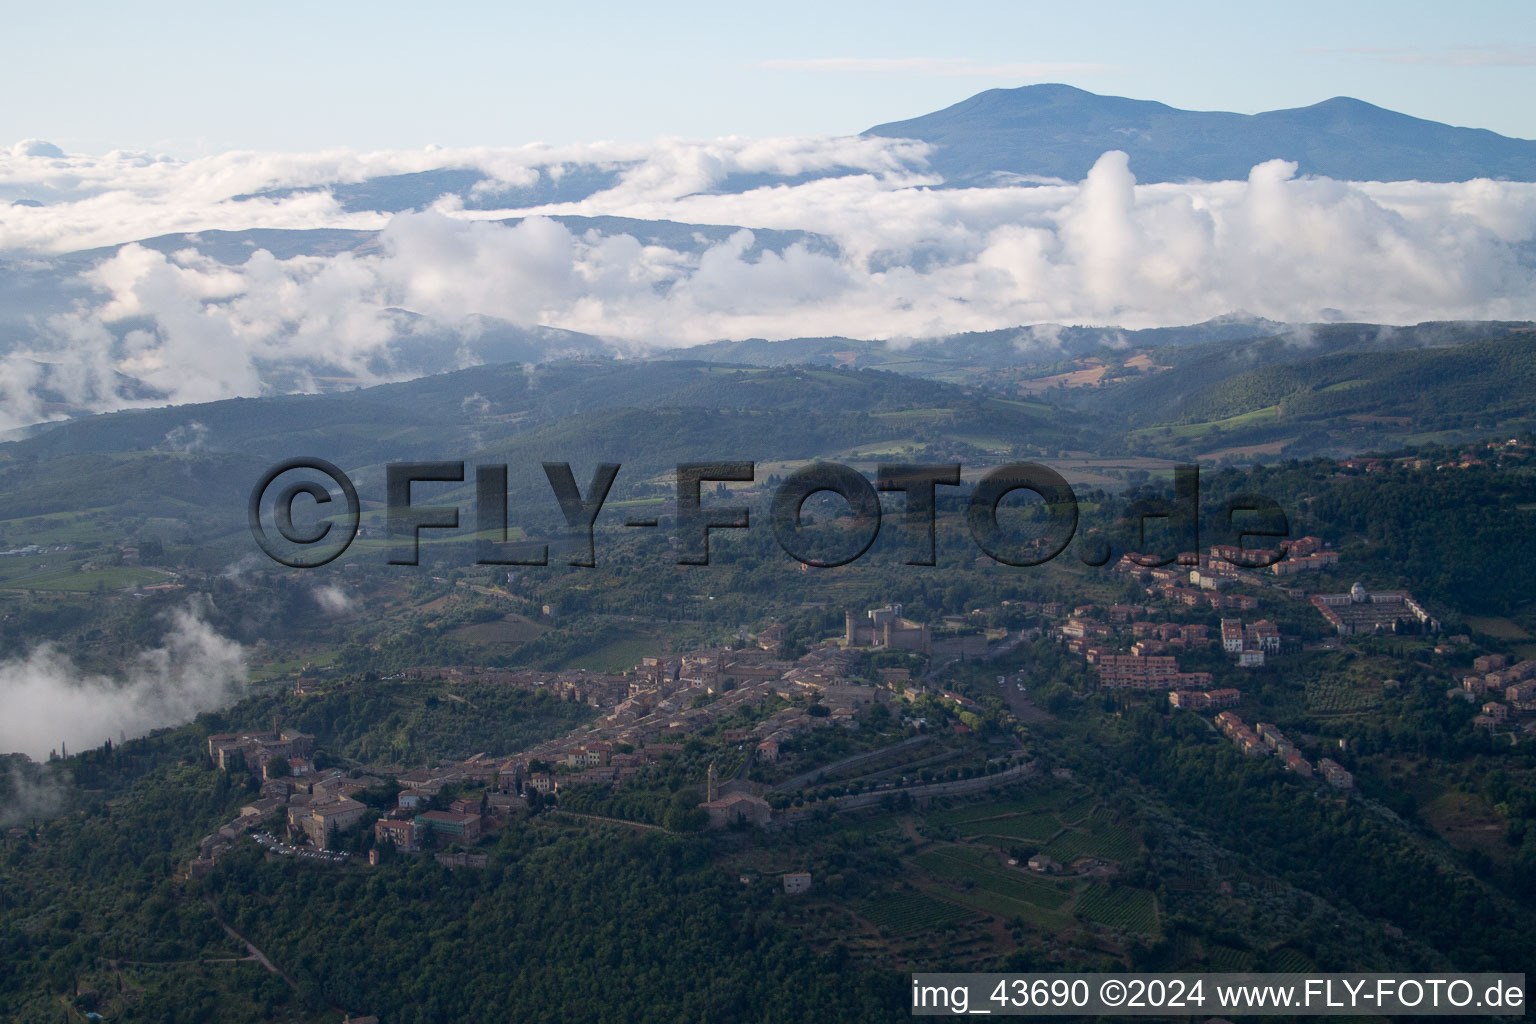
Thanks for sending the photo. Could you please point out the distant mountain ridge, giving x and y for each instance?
(1057, 131)
(1046, 131)
(1025, 345)
(1191, 392)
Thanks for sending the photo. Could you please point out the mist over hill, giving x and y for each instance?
(1101, 408)
(129, 281)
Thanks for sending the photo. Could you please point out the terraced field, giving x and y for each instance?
(1066, 821)
(1075, 810)
(1122, 908)
(1117, 844)
(1041, 800)
(1291, 961)
(1035, 816)
(995, 889)
(875, 824)
(1035, 827)
(908, 912)
(1099, 836)
(1225, 958)
(1341, 696)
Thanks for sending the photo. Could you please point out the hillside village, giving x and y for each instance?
(649, 713)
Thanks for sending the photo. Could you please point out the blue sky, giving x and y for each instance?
(196, 78)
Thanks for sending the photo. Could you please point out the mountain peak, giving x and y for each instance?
(1057, 130)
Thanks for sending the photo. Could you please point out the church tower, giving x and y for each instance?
(712, 785)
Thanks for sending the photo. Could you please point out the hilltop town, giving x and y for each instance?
(645, 715)
(754, 707)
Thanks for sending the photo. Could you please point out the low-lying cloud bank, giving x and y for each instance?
(50, 704)
(905, 260)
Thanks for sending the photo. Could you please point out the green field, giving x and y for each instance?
(1064, 801)
(54, 528)
(1058, 818)
(509, 629)
(1291, 961)
(914, 415)
(989, 442)
(976, 869)
(875, 824)
(1036, 827)
(883, 449)
(1339, 696)
(118, 577)
(1343, 385)
(1187, 431)
(1122, 908)
(1226, 958)
(616, 655)
(1075, 810)
(1100, 839)
(1040, 408)
(908, 912)
(292, 666)
(1497, 627)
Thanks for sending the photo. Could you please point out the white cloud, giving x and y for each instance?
(905, 260)
(37, 148)
(29, 793)
(50, 703)
(333, 600)
(188, 437)
(92, 201)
